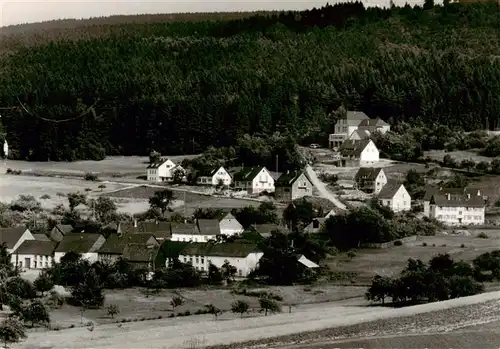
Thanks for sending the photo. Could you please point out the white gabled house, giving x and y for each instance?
(243, 256)
(370, 179)
(229, 225)
(361, 153)
(395, 196)
(162, 170)
(254, 180)
(215, 177)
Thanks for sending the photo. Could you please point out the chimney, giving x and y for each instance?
(478, 192)
(135, 223)
(448, 196)
(468, 195)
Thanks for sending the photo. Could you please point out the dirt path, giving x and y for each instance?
(203, 330)
(323, 191)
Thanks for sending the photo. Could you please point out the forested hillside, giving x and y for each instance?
(182, 86)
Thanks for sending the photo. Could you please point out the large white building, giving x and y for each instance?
(455, 206)
(352, 122)
(162, 170)
(243, 256)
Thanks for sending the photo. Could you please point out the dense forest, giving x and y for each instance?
(181, 86)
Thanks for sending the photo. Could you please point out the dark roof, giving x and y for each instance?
(209, 226)
(157, 164)
(288, 178)
(40, 248)
(172, 248)
(153, 227)
(431, 190)
(377, 122)
(367, 173)
(232, 249)
(10, 236)
(353, 147)
(115, 244)
(140, 252)
(228, 216)
(363, 134)
(453, 200)
(185, 229)
(196, 249)
(265, 230)
(77, 242)
(64, 228)
(389, 190)
(355, 115)
(41, 237)
(247, 173)
(212, 172)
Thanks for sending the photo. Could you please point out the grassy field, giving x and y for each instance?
(390, 261)
(458, 155)
(136, 305)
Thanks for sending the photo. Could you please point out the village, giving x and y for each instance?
(226, 224)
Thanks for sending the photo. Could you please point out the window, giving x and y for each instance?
(315, 224)
(34, 264)
(197, 260)
(240, 272)
(202, 260)
(191, 260)
(185, 260)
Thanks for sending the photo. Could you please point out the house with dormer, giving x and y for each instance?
(254, 180)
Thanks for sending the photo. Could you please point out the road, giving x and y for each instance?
(323, 191)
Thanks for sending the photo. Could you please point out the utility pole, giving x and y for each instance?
(276, 163)
(184, 206)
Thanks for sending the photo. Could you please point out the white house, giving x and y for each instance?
(370, 179)
(361, 153)
(162, 170)
(215, 177)
(395, 196)
(14, 237)
(315, 226)
(85, 244)
(254, 180)
(457, 207)
(244, 257)
(34, 254)
(472, 192)
(229, 225)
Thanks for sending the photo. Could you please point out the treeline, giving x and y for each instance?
(181, 87)
(442, 278)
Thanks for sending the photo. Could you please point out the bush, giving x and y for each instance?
(89, 176)
(398, 243)
(483, 235)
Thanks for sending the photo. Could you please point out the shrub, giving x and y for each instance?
(424, 244)
(398, 243)
(483, 235)
(45, 197)
(113, 310)
(89, 176)
(240, 307)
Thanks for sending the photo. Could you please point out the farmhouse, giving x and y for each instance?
(370, 179)
(115, 244)
(456, 206)
(254, 180)
(395, 196)
(33, 254)
(162, 170)
(203, 231)
(85, 244)
(229, 225)
(243, 256)
(355, 125)
(141, 255)
(215, 177)
(358, 153)
(14, 237)
(57, 233)
(292, 185)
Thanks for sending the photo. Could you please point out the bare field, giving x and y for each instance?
(129, 165)
(458, 155)
(390, 261)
